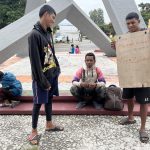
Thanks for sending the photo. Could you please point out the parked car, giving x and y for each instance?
(60, 39)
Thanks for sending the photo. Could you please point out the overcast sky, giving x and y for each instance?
(88, 5)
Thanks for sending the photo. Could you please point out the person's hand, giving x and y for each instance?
(92, 85)
(113, 45)
(83, 84)
(49, 88)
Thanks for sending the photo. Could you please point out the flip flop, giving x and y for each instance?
(35, 140)
(56, 128)
(5, 105)
(126, 121)
(144, 138)
(14, 104)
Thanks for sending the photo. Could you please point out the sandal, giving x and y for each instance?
(126, 121)
(14, 104)
(5, 105)
(56, 128)
(144, 138)
(35, 140)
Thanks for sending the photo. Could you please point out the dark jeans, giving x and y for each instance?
(97, 94)
(36, 110)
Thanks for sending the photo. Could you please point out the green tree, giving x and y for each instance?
(10, 11)
(145, 11)
(97, 16)
(108, 29)
(55, 29)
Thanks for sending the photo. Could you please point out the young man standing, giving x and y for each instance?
(142, 95)
(45, 70)
(89, 84)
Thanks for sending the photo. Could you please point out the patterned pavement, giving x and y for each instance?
(69, 64)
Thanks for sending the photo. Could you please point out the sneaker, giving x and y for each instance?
(97, 105)
(81, 104)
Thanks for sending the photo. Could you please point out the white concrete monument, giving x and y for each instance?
(33, 4)
(13, 38)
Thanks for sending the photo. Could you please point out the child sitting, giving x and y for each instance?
(77, 50)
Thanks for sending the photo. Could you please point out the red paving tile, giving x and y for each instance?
(24, 78)
(62, 78)
(9, 62)
(66, 78)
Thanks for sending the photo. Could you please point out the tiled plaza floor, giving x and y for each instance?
(69, 64)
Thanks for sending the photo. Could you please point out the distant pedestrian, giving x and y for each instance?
(68, 40)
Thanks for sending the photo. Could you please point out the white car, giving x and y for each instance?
(60, 39)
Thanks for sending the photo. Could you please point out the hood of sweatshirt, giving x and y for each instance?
(38, 27)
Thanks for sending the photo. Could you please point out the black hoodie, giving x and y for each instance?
(38, 40)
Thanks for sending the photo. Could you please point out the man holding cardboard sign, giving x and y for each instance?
(133, 57)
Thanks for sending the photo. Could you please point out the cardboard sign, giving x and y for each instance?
(133, 59)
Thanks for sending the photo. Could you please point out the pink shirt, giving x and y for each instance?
(91, 75)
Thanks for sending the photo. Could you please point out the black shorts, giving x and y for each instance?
(142, 95)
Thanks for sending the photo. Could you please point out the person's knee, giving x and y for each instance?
(74, 90)
(100, 92)
(144, 106)
(36, 107)
(98, 89)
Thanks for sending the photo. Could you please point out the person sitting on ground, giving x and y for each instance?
(77, 50)
(11, 87)
(89, 84)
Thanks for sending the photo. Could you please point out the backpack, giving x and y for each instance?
(113, 98)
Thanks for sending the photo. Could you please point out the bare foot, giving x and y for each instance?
(51, 127)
